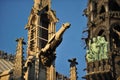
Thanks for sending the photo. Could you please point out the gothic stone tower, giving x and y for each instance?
(40, 26)
(103, 63)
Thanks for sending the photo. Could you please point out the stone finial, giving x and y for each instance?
(72, 62)
(20, 40)
(73, 69)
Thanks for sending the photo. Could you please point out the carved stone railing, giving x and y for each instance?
(101, 17)
(98, 66)
(99, 69)
(115, 14)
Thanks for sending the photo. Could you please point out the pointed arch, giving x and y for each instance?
(102, 9)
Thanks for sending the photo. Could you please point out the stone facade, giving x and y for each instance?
(103, 20)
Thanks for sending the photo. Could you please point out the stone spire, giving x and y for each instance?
(73, 69)
(18, 65)
(40, 4)
(40, 26)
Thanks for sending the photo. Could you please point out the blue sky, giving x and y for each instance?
(14, 16)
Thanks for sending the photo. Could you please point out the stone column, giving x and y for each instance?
(18, 65)
(73, 69)
(51, 69)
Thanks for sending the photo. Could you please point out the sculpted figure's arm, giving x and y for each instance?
(89, 56)
(89, 44)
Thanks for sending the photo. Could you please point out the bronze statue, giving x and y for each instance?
(94, 48)
(89, 56)
(97, 50)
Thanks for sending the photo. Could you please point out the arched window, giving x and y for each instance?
(102, 9)
(101, 32)
(43, 29)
